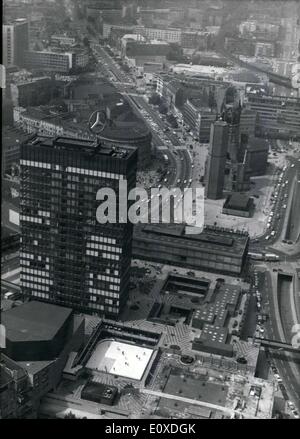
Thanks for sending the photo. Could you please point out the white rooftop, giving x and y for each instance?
(120, 359)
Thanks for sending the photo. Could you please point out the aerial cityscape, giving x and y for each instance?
(150, 226)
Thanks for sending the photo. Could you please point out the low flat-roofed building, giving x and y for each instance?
(213, 347)
(217, 334)
(237, 204)
(170, 35)
(100, 393)
(39, 339)
(202, 317)
(135, 49)
(213, 319)
(64, 39)
(50, 121)
(36, 331)
(213, 249)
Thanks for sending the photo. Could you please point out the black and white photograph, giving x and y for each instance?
(150, 213)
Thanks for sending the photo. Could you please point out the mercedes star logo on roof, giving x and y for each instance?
(97, 122)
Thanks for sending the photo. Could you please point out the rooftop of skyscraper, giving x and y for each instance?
(90, 146)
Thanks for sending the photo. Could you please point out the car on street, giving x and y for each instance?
(242, 360)
(290, 405)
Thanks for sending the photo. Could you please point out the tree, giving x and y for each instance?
(70, 415)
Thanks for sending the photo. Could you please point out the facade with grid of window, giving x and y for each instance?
(67, 256)
(15, 41)
(278, 116)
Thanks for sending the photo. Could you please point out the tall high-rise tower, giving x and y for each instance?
(67, 256)
(231, 115)
(15, 42)
(217, 160)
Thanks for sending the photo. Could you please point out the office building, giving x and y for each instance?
(243, 46)
(67, 257)
(34, 91)
(257, 152)
(194, 40)
(136, 53)
(128, 40)
(173, 93)
(207, 117)
(214, 249)
(217, 160)
(49, 60)
(110, 29)
(170, 35)
(259, 29)
(50, 121)
(15, 42)
(248, 122)
(63, 40)
(263, 49)
(193, 95)
(56, 61)
(278, 116)
(199, 118)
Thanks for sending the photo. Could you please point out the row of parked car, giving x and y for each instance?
(290, 405)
